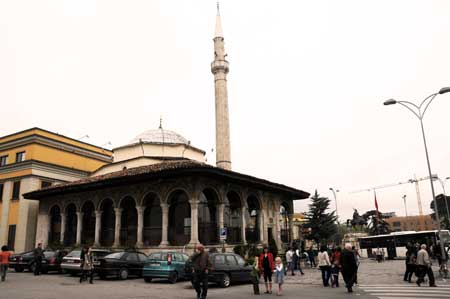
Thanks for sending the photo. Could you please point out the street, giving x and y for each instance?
(383, 281)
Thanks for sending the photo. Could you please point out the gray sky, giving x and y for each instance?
(306, 84)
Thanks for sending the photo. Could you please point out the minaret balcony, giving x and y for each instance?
(219, 66)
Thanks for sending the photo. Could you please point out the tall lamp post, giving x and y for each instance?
(419, 113)
(335, 201)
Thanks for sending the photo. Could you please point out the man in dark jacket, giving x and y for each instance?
(349, 266)
(38, 254)
(201, 266)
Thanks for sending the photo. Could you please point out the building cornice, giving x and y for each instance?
(37, 139)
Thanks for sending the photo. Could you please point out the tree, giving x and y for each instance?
(322, 224)
(442, 210)
(372, 221)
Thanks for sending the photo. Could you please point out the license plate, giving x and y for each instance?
(96, 263)
(155, 265)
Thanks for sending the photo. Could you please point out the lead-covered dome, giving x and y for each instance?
(160, 136)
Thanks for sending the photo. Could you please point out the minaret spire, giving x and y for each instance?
(219, 67)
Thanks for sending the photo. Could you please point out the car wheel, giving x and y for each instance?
(123, 273)
(32, 267)
(18, 269)
(173, 277)
(147, 279)
(225, 281)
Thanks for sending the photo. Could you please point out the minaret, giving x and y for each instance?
(219, 67)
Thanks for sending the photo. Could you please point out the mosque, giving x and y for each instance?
(159, 193)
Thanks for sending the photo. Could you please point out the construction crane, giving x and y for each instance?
(416, 181)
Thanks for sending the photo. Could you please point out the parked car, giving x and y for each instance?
(25, 261)
(121, 264)
(71, 263)
(227, 268)
(168, 265)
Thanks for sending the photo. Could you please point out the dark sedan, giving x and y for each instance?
(227, 268)
(25, 261)
(121, 264)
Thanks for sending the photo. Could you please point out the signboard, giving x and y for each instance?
(223, 234)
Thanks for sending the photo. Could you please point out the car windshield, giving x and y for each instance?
(159, 256)
(74, 253)
(48, 254)
(116, 255)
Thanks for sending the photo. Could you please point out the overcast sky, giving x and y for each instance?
(306, 85)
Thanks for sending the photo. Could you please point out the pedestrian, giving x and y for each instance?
(410, 264)
(255, 274)
(297, 260)
(87, 266)
(290, 260)
(424, 266)
(324, 265)
(379, 254)
(279, 275)
(311, 258)
(38, 255)
(336, 267)
(266, 265)
(349, 267)
(202, 265)
(4, 261)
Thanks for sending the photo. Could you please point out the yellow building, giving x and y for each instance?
(33, 159)
(411, 223)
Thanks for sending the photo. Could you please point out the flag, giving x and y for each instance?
(376, 207)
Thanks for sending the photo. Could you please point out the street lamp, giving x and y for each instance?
(335, 200)
(419, 113)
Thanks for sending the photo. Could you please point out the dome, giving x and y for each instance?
(160, 136)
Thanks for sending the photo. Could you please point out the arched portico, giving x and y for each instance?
(128, 228)
(55, 225)
(179, 218)
(152, 220)
(70, 235)
(285, 227)
(88, 226)
(108, 222)
(233, 217)
(252, 218)
(208, 217)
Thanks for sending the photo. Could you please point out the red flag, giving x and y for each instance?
(376, 207)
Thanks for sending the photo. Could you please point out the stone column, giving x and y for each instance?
(79, 227)
(261, 225)
(244, 224)
(118, 212)
(165, 225)
(291, 228)
(194, 222)
(220, 221)
(140, 226)
(277, 228)
(98, 227)
(63, 228)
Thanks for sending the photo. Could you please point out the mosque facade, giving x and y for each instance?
(159, 192)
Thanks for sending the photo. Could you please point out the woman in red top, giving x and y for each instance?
(266, 265)
(4, 261)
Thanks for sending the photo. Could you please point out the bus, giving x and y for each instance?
(394, 244)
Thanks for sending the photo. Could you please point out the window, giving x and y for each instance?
(219, 259)
(1, 192)
(45, 184)
(11, 237)
(132, 257)
(3, 160)
(155, 256)
(16, 190)
(231, 261)
(240, 261)
(396, 223)
(20, 156)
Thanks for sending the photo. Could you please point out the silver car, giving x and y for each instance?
(71, 263)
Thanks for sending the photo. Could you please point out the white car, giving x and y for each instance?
(71, 263)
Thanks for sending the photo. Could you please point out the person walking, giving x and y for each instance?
(255, 274)
(410, 264)
(279, 275)
(297, 260)
(202, 265)
(357, 258)
(87, 265)
(311, 258)
(349, 267)
(424, 266)
(266, 265)
(38, 254)
(290, 260)
(324, 265)
(4, 261)
(336, 267)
